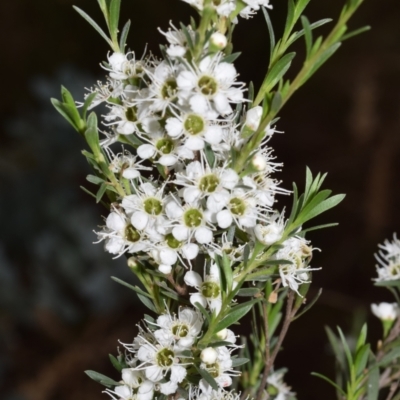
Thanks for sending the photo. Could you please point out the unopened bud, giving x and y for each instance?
(253, 118)
(222, 334)
(209, 355)
(218, 41)
(259, 162)
(165, 269)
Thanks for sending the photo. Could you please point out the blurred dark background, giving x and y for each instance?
(60, 312)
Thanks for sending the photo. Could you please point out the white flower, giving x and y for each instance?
(219, 367)
(126, 165)
(188, 222)
(276, 380)
(211, 84)
(385, 311)
(195, 129)
(124, 66)
(146, 207)
(120, 236)
(389, 259)
(177, 40)
(223, 7)
(270, 233)
(209, 290)
(163, 150)
(233, 252)
(297, 252)
(199, 181)
(182, 330)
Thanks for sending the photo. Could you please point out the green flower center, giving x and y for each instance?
(172, 242)
(216, 2)
(131, 114)
(209, 183)
(395, 269)
(153, 206)
(165, 145)
(208, 85)
(131, 234)
(194, 124)
(193, 218)
(169, 89)
(180, 330)
(165, 358)
(213, 370)
(237, 206)
(210, 290)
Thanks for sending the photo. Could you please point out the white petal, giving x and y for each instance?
(203, 235)
(168, 256)
(154, 373)
(130, 173)
(168, 388)
(146, 151)
(229, 178)
(139, 220)
(180, 233)
(224, 219)
(194, 143)
(190, 251)
(225, 72)
(131, 377)
(222, 104)
(193, 279)
(115, 222)
(215, 305)
(198, 104)
(146, 391)
(198, 298)
(124, 392)
(217, 201)
(248, 221)
(186, 80)
(213, 134)
(194, 170)
(165, 269)
(205, 64)
(191, 194)
(173, 210)
(168, 160)
(178, 373)
(174, 127)
(176, 51)
(114, 245)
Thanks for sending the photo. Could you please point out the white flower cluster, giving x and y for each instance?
(178, 117)
(161, 355)
(225, 8)
(389, 259)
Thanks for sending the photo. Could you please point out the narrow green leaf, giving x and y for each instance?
(116, 364)
(290, 19)
(373, 382)
(329, 381)
(67, 112)
(100, 378)
(237, 362)
(147, 302)
(231, 58)
(209, 155)
(277, 72)
(94, 179)
(272, 41)
(94, 25)
(355, 32)
(235, 315)
(307, 35)
(114, 18)
(87, 191)
(309, 305)
(314, 228)
(206, 315)
(207, 377)
(226, 266)
(248, 292)
(124, 36)
(346, 348)
(220, 343)
(300, 7)
(389, 357)
(100, 192)
(88, 102)
(362, 338)
(134, 288)
(361, 360)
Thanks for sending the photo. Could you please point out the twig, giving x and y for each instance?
(393, 389)
(270, 362)
(181, 290)
(267, 349)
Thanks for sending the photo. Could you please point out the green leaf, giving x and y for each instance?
(207, 377)
(362, 338)
(206, 315)
(94, 179)
(329, 381)
(277, 72)
(373, 383)
(237, 362)
(300, 7)
(346, 348)
(235, 315)
(355, 32)
(100, 192)
(315, 228)
(313, 26)
(309, 305)
(67, 112)
(290, 19)
(389, 357)
(248, 292)
(134, 288)
(231, 58)
(226, 266)
(124, 36)
(87, 104)
(361, 359)
(209, 155)
(100, 378)
(116, 364)
(114, 18)
(307, 35)
(147, 302)
(272, 41)
(220, 343)
(94, 25)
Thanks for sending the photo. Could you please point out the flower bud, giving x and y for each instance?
(385, 311)
(209, 355)
(165, 269)
(268, 234)
(259, 162)
(253, 118)
(218, 41)
(222, 334)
